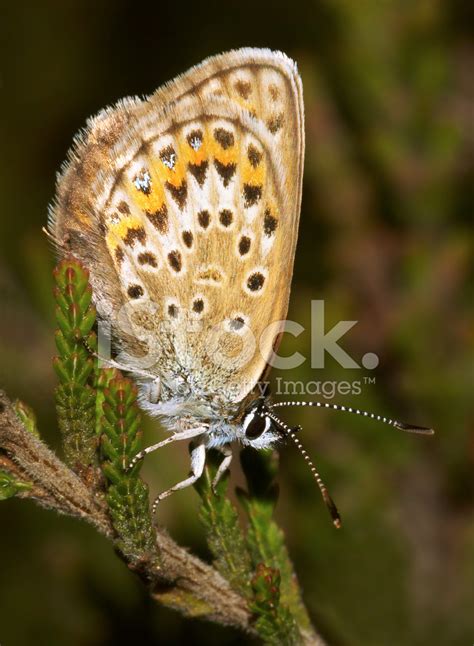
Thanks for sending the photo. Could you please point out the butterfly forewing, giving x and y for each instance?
(192, 199)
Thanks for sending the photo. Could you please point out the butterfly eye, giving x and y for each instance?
(255, 425)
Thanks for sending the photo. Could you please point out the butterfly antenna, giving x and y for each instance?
(401, 426)
(336, 519)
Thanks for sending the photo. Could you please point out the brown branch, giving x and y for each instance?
(53, 484)
(181, 580)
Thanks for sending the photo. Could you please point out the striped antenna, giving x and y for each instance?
(401, 426)
(336, 519)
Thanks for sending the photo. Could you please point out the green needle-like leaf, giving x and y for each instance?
(224, 534)
(75, 394)
(266, 540)
(274, 622)
(127, 494)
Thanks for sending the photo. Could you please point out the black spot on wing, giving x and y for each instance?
(225, 171)
(198, 305)
(243, 88)
(255, 281)
(168, 157)
(159, 219)
(224, 137)
(204, 218)
(254, 155)
(178, 193)
(188, 238)
(226, 217)
(275, 123)
(147, 258)
(135, 291)
(199, 171)
(270, 223)
(175, 261)
(124, 208)
(194, 139)
(244, 245)
(133, 234)
(252, 194)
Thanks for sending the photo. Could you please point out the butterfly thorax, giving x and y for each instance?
(179, 409)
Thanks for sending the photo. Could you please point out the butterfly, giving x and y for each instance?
(184, 207)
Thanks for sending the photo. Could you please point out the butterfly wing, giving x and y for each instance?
(185, 209)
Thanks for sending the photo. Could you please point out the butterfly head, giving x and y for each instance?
(259, 427)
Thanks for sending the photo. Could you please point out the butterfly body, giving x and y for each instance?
(223, 421)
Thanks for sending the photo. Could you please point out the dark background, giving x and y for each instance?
(385, 240)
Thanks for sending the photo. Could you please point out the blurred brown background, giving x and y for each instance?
(385, 240)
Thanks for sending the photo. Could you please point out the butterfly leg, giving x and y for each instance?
(223, 466)
(183, 435)
(198, 459)
(111, 363)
